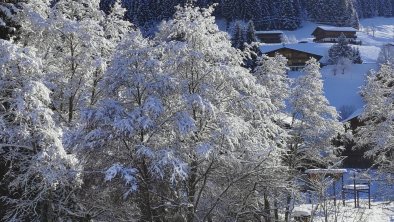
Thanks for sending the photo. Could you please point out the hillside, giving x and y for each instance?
(266, 14)
(342, 90)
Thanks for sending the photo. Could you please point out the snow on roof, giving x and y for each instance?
(355, 114)
(311, 47)
(269, 32)
(338, 29)
(325, 171)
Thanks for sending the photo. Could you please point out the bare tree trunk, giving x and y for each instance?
(145, 198)
(276, 211)
(70, 108)
(287, 213)
(192, 191)
(267, 209)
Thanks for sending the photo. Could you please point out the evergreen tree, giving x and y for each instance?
(291, 18)
(341, 49)
(237, 39)
(356, 56)
(250, 35)
(8, 21)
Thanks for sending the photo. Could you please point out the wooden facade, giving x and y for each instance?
(331, 34)
(296, 59)
(269, 36)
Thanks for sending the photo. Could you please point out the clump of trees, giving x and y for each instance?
(100, 123)
(343, 55)
(378, 129)
(243, 35)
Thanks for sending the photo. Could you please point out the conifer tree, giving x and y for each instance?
(341, 49)
(237, 39)
(250, 35)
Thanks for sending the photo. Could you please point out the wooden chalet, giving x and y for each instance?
(296, 56)
(269, 36)
(331, 34)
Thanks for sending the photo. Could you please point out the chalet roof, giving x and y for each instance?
(311, 48)
(269, 32)
(336, 29)
(355, 114)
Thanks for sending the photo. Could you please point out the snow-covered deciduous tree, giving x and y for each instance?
(183, 125)
(75, 41)
(271, 72)
(126, 131)
(378, 115)
(315, 123)
(313, 127)
(231, 113)
(386, 54)
(40, 176)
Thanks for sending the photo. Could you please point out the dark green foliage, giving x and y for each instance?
(237, 39)
(8, 24)
(356, 56)
(250, 33)
(334, 12)
(266, 14)
(343, 50)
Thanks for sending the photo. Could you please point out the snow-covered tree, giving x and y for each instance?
(291, 17)
(250, 33)
(271, 72)
(237, 38)
(342, 49)
(183, 123)
(313, 127)
(213, 81)
(8, 23)
(386, 54)
(41, 176)
(378, 115)
(75, 41)
(315, 123)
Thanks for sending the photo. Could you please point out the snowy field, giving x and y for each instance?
(382, 204)
(342, 91)
(379, 212)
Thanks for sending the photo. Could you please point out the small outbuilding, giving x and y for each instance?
(269, 36)
(331, 34)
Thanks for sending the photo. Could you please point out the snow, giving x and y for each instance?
(269, 32)
(313, 48)
(338, 29)
(356, 113)
(384, 31)
(329, 171)
(379, 212)
(342, 90)
(357, 186)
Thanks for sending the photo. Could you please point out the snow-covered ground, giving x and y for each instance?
(379, 212)
(342, 90)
